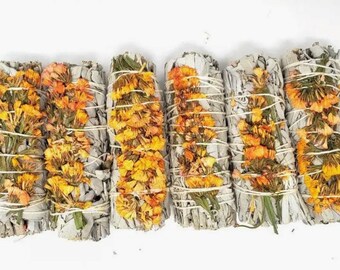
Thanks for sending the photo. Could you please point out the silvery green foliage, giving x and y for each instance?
(306, 61)
(186, 211)
(16, 219)
(97, 165)
(239, 86)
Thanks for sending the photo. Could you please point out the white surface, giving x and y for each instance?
(67, 30)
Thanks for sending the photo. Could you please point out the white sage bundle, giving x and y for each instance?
(201, 187)
(312, 79)
(263, 161)
(136, 131)
(77, 157)
(23, 208)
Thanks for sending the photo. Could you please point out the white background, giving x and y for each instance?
(68, 30)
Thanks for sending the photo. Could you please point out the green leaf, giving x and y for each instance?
(278, 207)
(19, 216)
(206, 205)
(79, 220)
(214, 202)
(54, 220)
(201, 201)
(270, 101)
(131, 63)
(269, 209)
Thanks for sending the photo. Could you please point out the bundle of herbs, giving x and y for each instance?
(197, 134)
(136, 131)
(23, 208)
(312, 79)
(263, 160)
(77, 157)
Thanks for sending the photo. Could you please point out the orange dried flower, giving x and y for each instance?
(183, 77)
